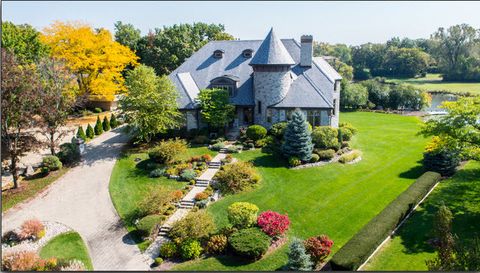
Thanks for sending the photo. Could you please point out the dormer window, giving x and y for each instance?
(247, 53)
(226, 82)
(218, 53)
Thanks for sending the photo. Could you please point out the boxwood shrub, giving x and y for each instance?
(355, 252)
(250, 243)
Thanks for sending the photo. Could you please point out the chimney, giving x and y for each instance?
(306, 50)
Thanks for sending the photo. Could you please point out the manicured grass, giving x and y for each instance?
(433, 82)
(335, 199)
(409, 249)
(67, 246)
(129, 184)
(29, 188)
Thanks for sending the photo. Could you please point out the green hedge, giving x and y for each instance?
(355, 252)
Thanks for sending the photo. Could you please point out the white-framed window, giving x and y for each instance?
(314, 117)
(229, 88)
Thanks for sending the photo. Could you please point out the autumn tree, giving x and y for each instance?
(150, 105)
(96, 60)
(57, 97)
(166, 48)
(216, 109)
(24, 42)
(20, 103)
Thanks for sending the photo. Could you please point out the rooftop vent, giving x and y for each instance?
(247, 53)
(218, 53)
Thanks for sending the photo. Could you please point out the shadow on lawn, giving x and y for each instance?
(461, 196)
(230, 260)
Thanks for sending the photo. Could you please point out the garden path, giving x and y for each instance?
(185, 205)
(80, 199)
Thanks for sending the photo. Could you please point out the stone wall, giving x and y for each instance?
(270, 88)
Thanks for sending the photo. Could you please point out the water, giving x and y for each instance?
(437, 100)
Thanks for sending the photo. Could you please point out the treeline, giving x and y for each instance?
(453, 52)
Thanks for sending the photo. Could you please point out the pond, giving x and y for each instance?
(437, 100)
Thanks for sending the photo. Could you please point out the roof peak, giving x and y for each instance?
(272, 52)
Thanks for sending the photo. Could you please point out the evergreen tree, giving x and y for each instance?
(90, 132)
(81, 133)
(106, 124)
(445, 242)
(297, 138)
(298, 259)
(98, 127)
(113, 121)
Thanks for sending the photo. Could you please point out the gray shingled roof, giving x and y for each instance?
(329, 71)
(272, 52)
(311, 88)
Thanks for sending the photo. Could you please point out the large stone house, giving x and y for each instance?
(267, 80)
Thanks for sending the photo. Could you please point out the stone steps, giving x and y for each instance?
(214, 164)
(202, 182)
(186, 204)
(164, 231)
(223, 150)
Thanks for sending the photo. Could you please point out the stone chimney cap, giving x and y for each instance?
(306, 39)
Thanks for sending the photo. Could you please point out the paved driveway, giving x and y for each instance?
(81, 200)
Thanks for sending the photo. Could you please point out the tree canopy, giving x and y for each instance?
(23, 41)
(92, 55)
(150, 104)
(127, 35)
(167, 48)
(216, 109)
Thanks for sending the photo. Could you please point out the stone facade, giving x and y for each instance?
(270, 87)
(336, 99)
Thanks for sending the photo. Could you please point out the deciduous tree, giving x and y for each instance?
(216, 109)
(96, 60)
(24, 42)
(150, 104)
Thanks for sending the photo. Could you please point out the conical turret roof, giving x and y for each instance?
(272, 52)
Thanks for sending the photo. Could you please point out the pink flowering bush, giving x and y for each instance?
(273, 223)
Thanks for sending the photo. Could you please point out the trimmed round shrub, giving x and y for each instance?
(97, 110)
(438, 157)
(147, 223)
(345, 158)
(201, 196)
(325, 154)
(196, 225)
(190, 249)
(236, 177)
(273, 223)
(242, 214)
(69, 153)
(250, 243)
(325, 137)
(256, 132)
(169, 250)
(217, 244)
(278, 129)
(315, 158)
(318, 247)
(52, 163)
(158, 261)
(188, 174)
(168, 151)
(294, 161)
(217, 146)
(157, 172)
(349, 126)
(345, 133)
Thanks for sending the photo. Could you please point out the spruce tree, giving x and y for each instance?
(113, 121)
(297, 138)
(90, 132)
(298, 259)
(98, 127)
(106, 124)
(81, 133)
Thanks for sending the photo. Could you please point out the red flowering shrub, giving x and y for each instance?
(177, 195)
(20, 261)
(32, 229)
(273, 223)
(206, 157)
(318, 247)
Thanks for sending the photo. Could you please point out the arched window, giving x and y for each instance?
(226, 82)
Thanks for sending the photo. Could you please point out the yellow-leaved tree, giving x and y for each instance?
(92, 55)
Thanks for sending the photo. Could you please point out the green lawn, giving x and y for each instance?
(335, 199)
(67, 246)
(433, 82)
(409, 249)
(129, 184)
(29, 188)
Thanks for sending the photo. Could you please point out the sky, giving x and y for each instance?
(351, 23)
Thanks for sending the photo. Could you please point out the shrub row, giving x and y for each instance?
(358, 249)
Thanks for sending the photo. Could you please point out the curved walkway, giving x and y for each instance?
(80, 199)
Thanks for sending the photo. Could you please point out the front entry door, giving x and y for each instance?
(247, 116)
